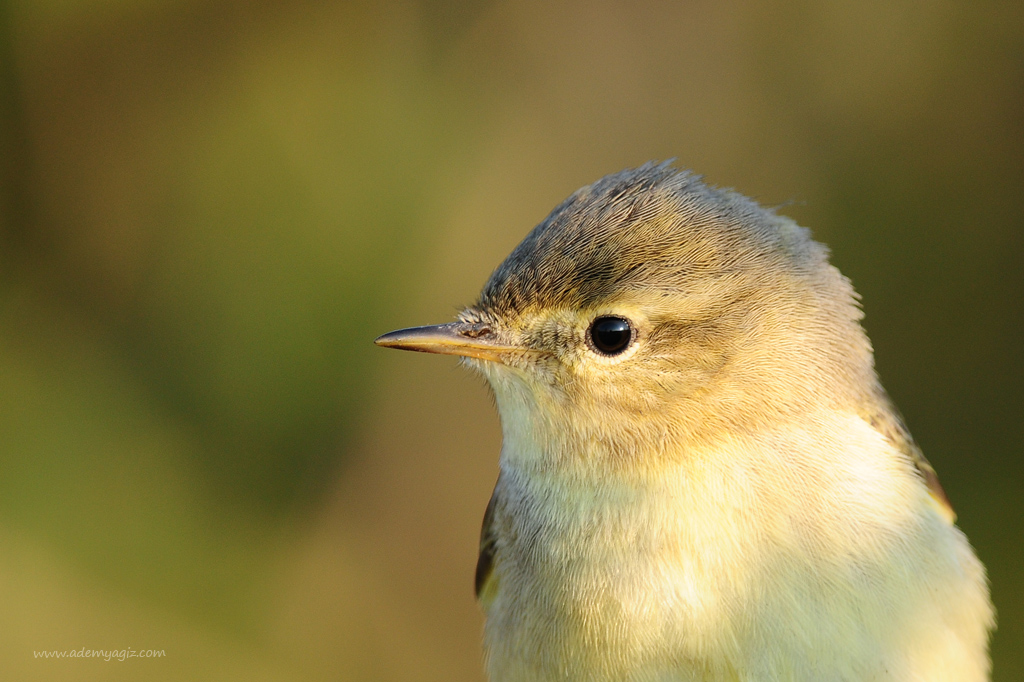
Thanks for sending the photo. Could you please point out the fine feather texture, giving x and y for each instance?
(733, 497)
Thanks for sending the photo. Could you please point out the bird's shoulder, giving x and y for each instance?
(885, 418)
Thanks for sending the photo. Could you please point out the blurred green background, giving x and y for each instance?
(209, 210)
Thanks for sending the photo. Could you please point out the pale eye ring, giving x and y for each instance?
(610, 334)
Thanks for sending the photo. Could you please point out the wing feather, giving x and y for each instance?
(484, 582)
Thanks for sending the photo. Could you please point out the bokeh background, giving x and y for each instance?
(210, 209)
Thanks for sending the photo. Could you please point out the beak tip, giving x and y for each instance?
(389, 340)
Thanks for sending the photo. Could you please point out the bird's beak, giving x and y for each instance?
(472, 340)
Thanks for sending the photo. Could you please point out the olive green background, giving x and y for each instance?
(210, 209)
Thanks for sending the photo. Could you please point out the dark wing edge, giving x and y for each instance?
(485, 560)
(888, 421)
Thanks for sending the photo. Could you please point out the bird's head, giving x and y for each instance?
(649, 312)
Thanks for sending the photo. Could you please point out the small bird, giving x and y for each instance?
(701, 477)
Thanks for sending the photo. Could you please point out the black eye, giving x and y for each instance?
(610, 335)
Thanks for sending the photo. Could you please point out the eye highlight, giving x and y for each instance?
(610, 335)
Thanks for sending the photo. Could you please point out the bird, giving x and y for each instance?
(701, 477)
